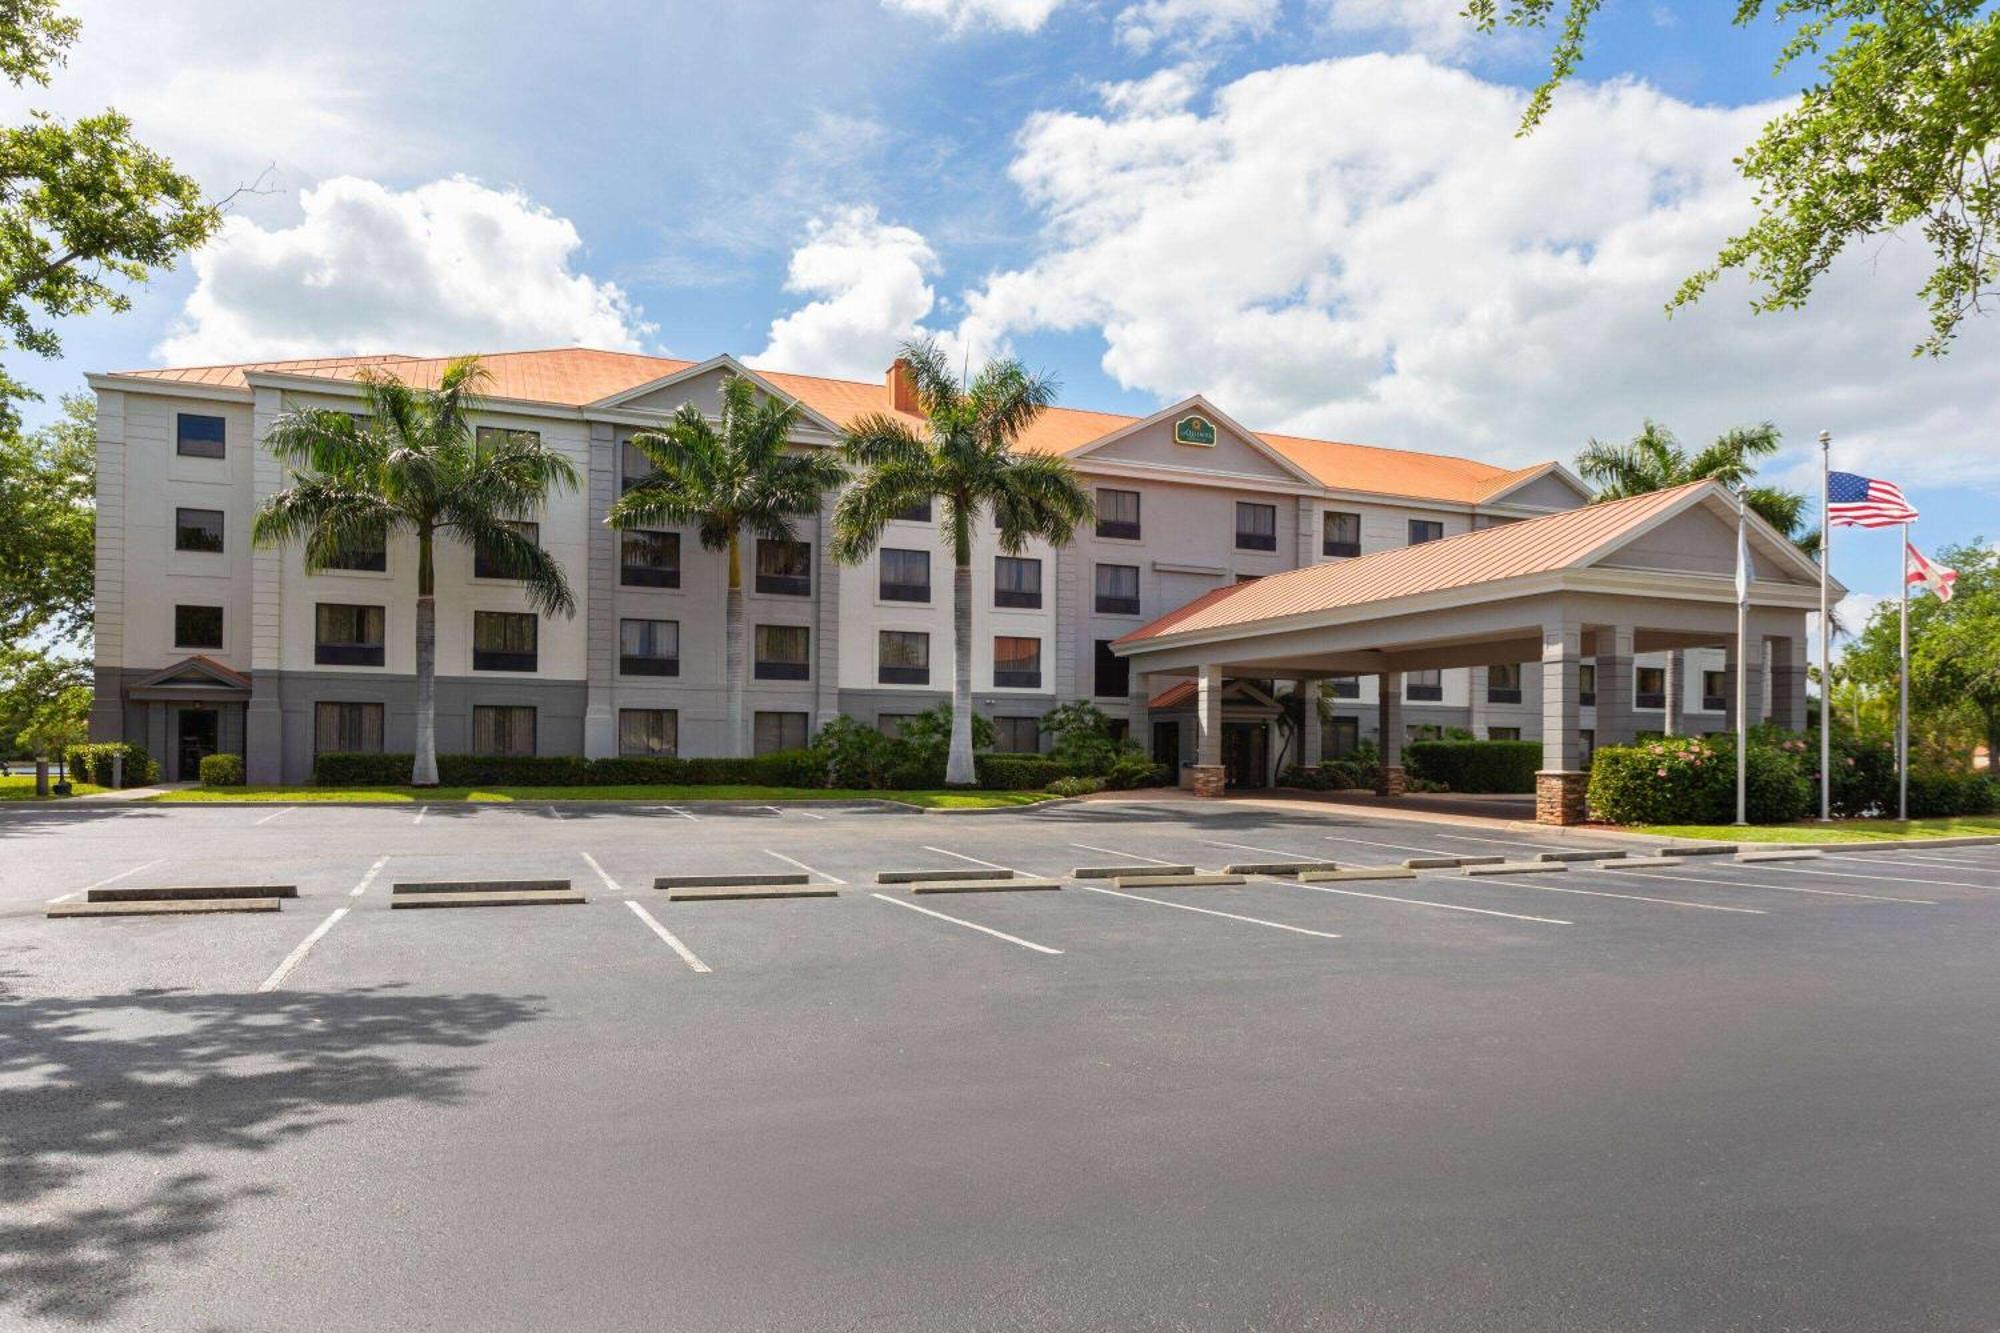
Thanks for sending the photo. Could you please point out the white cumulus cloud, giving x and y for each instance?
(870, 282)
(448, 266)
(1014, 15)
(1192, 23)
(1437, 27)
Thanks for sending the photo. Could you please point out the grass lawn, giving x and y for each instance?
(21, 787)
(1840, 830)
(936, 800)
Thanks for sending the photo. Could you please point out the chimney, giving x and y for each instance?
(902, 387)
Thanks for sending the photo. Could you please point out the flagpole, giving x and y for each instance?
(1742, 669)
(1903, 702)
(1825, 634)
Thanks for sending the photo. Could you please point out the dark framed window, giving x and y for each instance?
(1117, 513)
(1424, 686)
(1112, 674)
(1017, 735)
(633, 466)
(1425, 530)
(348, 635)
(1586, 684)
(784, 652)
(1340, 533)
(1587, 737)
(1714, 691)
(197, 529)
(199, 436)
(489, 563)
(906, 575)
(365, 554)
(649, 647)
(649, 733)
(1650, 687)
(771, 732)
(1339, 737)
(1344, 685)
(1503, 683)
(343, 728)
(1503, 733)
(197, 627)
(504, 641)
(1256, 526)
(1117, 590)
(920, 512)
(508, 729)
(1017, 581)
(490, 436)
(784, 568)
(1017, 663)
(904, 657)
(649, 559)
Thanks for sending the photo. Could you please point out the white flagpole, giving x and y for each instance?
(1903, 691)
(1742, 668)
(1825, 635)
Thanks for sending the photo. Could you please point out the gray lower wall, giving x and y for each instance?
(558, 706)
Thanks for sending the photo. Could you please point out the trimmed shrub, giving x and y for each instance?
(1939, 795)
(1476, 766)
(1134, 769)
(1307, 779)
(344, 768)
(1018, 772)
(222, 770)
(1076, 786)
(850, 754)
(1692, 780)
(93, 763)
(785, 768)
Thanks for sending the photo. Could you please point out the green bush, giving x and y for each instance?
(343, 768)
(1692, 780)
(927, 736)
(1076, 786)
(847, 753)
(222, 770)
(1018, 772)
(785, 768)
(1306, 779)
(1134, 769)
(1083, 737)
(1939, 795)
(1476, 766)
(93, 763)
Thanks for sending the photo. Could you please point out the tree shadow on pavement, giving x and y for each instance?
(105, 1098)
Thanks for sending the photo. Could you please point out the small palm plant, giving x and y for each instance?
(723, 478)
(1653, 460)
(415, 463)
(965, 458)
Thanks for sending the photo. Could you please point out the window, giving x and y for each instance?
(490, 563)
(199, 437)
(347, 635)
(1344, 685)
(1339, 737)
(905, 657)
(1017, 663)
(906, 575)
(784, 568)
(197, 627)
(1118, 590)
(1017, 581)
(1423, 686)
(197, 529)
(503, 641)
(649, 647)
(649, 559)
(369, 554)
(891, 724)
(490, 437)
(1651, 688)
(1586, 685)
(920, 512)
(1113, 678)
(503, 730)
(1342, 534)
(1424, 731)
(1256, 526)
(347, 728)
(1503, 733)
(1425, 530)
(649, 733)
(783, 652)
(1714, 691)
(772, 732)
(633, 466)
(1503, 683)
(1587, 738)
(1017, 735)
(1118, 514)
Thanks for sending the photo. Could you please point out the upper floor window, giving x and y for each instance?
(649, 733)
(1117, 513)
(503, 641)
(1424, 686)
(1118, 590)
(1586, 684)
(1503, 683)
(1017, 581)
(198, 530)
(784, 652)
(906, 575)
(368, 554)
(649, 559)
(489, 436)
(347, 635)
(1344, 685)
(1017, 663)
(1111, 675)
(1651, 687)
(784, 567)
(920, 512)
(503, 731)
(771, 732)
(649, 647)
(1425, 530)
(492, 563)
(197, 627)
(1714, 691)
(905, 658)
(199, 436)
(1256, 526)
(1017, 735)
(1341, 533)
(633, 466)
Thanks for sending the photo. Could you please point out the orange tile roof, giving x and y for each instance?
(1513, 550)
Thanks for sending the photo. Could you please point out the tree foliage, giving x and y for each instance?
(1954, 650)
(44, 701)
(1653, 460)
(47, 526)
(1899, 129)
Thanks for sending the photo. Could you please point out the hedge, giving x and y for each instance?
(1692, 780)
(785, 768)
(221, 770)
(93, 763)
(1476, 766)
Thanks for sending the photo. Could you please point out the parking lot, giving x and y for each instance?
(1719, 1095)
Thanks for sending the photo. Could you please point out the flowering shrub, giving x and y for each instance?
(1692, 780)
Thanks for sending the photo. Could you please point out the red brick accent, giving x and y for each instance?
(1206, 779)
(1391, 782)
(1559, 797)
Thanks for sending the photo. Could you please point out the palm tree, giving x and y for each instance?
(414, 463)
(723, 477)
(965, 458)
(1653, 460)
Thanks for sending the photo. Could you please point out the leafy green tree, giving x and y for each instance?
(1954, 649)
(1653, 460)
(416, 464)
(1899, 129)
(964, 458)
(44, 701)
(735, 475)
(47, 526)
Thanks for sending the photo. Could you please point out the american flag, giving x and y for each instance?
(1927, 576)
(1853, 500)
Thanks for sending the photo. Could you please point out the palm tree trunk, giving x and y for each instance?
(424, 772)
(959, 770)
(732, 652)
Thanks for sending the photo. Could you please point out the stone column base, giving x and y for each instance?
(1391, 782)
(1206, 779)
(1559, 797)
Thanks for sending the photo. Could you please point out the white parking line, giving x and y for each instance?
(609, 882)
(1420, 902)
(1398, 846)
(275, 814)
(969, 925)
(1113, 851)
(1270, 851)
(1899, 879)
(1922, 861)
(1680, 878)
(995, 865)
(109, 879)
(1500, 842)
(831, 879)
(674, 809)
(554, 813)
(1629, 897)
(422, 810)
(298, 955)
(1209, 911)
(672, 941)
(808, 814)
(368, 878)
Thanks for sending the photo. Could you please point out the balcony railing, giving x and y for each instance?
(783, 671)
(1498, 694)
(648, 576)
(1123, 531)
(630, 664)
(1011, 597)
(906, 592)
(1256, 541)
(1117, 606)
(349, 654)
(1651, 699)
(492, 659)
(1714, 703)
(1017, 680)
(1332, 547)
(903, 675)
(1424, 693)
(785, 585)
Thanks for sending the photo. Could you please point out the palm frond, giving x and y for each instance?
(515, 555)
(875, 499)
(1039, 496)
(939, 388)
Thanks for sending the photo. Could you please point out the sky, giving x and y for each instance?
(1316, 212)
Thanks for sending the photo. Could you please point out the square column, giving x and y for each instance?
(1309, 733)
(1616, 686)
(1138, 717)
(1675, 723)
(1561, 784)
(1389, 733)
(1788, 684)
(1754, 684)
(1207, 775)
(600, 711)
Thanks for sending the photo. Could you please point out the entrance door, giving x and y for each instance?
(1167, 745)
(199, 730)
(1246, 754)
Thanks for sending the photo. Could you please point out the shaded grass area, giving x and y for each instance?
(21, 787)
(935, 800)
(1840, 830)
